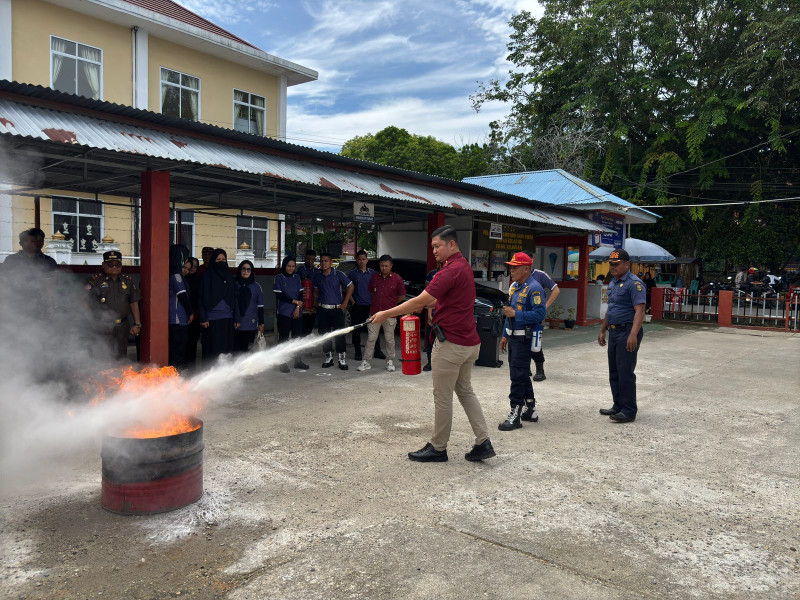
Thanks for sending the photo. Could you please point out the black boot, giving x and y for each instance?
(512, 420)
(530, 413)
(299, 364)
(328, 360)
(539, 376)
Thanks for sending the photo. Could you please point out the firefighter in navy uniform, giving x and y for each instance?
(627, 295)
(119, 295)
(522, 337)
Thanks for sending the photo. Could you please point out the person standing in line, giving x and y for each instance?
(359, 310)
(387, 290)
(456, 348)
(218, 308)
(192, 282)
(624, 317)
(180, 306)
(250, 297)
(544, 280)
(30, 256)
(118, 294)
(308, 271)
(205, 255)
(522, 336)
(429, 310)
(328, 284)
(288, 290)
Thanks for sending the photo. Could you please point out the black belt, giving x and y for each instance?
(620, 326)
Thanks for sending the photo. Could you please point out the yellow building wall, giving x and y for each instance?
(217, 76)
(34, 21)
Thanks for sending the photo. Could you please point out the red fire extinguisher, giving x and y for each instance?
(409, 345)
(308, 294)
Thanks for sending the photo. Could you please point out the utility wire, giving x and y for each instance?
(741, 202)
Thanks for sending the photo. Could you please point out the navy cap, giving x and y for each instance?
(619, 254)
(112, 255)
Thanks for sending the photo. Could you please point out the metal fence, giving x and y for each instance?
(781, 311)
(683, 306)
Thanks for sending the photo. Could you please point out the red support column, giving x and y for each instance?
(155, 267)
(37, 212)
(657, 303)
(583, 279)
(435, 221)
(725, 314)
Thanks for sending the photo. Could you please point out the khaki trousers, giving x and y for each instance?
(452, 371)
(372, 337)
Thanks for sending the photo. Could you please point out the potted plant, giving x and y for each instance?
(554, 314)
(569, 322)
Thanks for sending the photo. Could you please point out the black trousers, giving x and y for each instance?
(287, 326)
(308, 322)
(519, 367)
(178, 336)
(242, 340)
(358, 314)
(621, 366)
(193, 334)
(217, 339)
(331, 319)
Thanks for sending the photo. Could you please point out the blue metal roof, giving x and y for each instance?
(554, 186)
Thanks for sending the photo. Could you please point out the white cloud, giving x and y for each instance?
(228, 12)
(451, 120)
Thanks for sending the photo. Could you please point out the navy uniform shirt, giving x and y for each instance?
(527, 300)
(544, 279)
(361, 281)
(330, 286)
(623, 295)
(305, 272)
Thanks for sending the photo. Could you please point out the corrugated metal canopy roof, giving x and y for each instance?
(554, 186)
(250, 172)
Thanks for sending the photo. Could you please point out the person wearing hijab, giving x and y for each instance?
(192, 281)
(180, 306)
(288, 290)
(217, 307)
(250, 298)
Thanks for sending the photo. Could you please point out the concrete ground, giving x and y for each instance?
(309, 493)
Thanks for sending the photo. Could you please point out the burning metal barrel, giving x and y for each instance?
(147, 475)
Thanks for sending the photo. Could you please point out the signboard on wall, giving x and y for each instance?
(496, 231)
(363, 212)
(513, 238)
(613, 222)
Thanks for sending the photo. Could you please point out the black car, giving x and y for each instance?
(487, 300)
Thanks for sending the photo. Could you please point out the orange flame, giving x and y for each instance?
(145, 380)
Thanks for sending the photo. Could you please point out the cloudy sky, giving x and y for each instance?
(410, 63)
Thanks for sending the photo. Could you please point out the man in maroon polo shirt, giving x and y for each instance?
(387, 290)
(455, 349)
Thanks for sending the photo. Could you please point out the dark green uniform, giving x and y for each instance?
(117, 297)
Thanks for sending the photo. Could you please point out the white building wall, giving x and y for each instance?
(410, 240)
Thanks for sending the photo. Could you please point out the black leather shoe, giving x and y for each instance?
(481, 451)
(621, 418)
(299, 364)
(428, 454)
(608, 411)
(427, 367)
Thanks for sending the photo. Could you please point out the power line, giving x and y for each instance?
(737, 203)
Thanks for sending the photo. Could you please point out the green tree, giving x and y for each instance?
(658, 102)
(396, 147)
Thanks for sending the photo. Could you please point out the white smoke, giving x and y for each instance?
(52, 348)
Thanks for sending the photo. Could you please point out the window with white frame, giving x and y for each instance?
(180, 95)
(187, 228)
(80, 221)
(254, 231)
(249, 112)
(76, 68)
